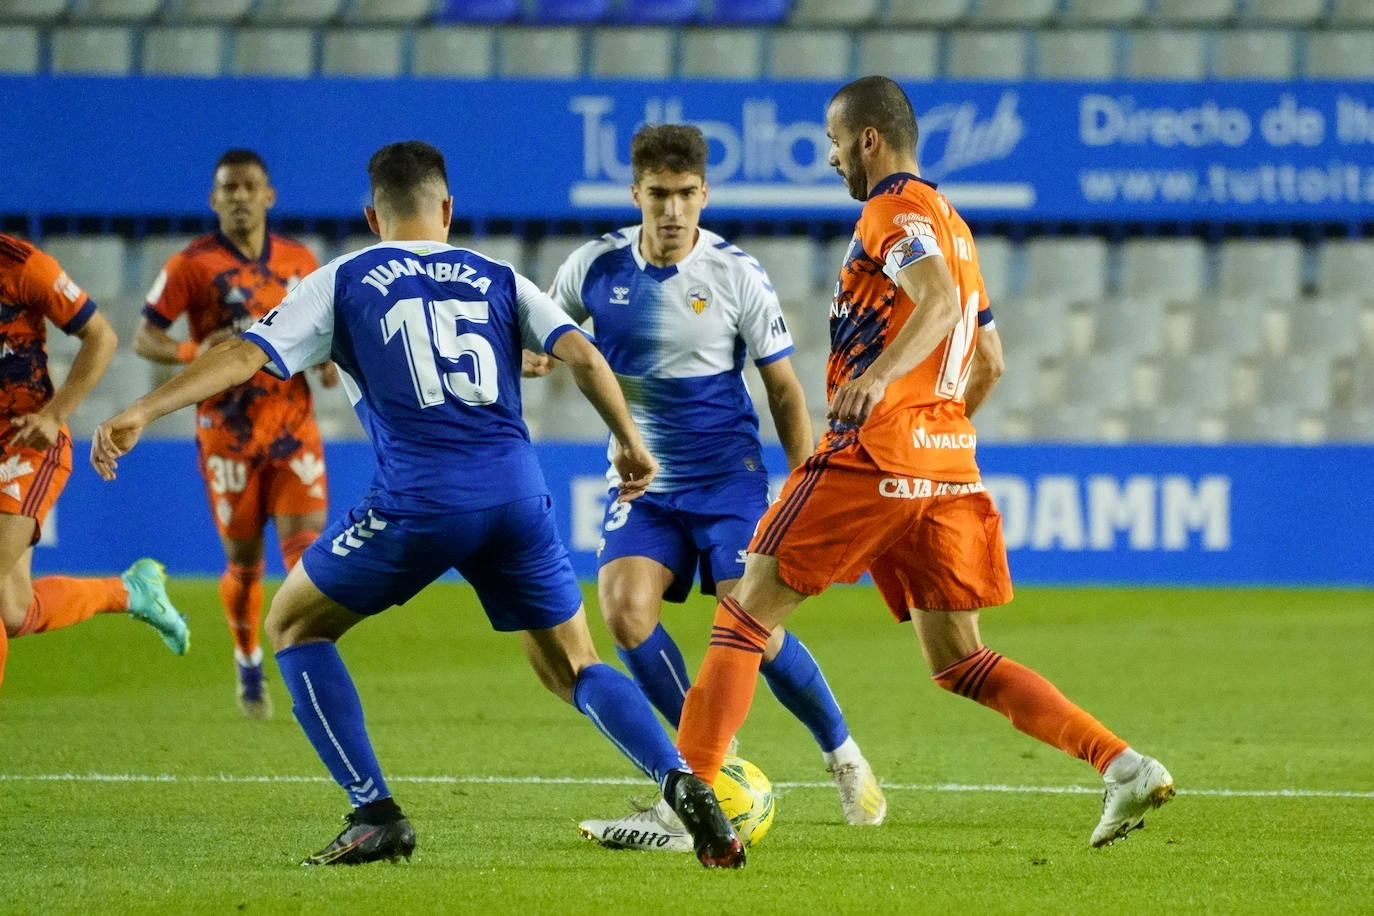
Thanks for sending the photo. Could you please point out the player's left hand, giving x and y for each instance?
(636, 468)
(38, 430)
(113, 439)
(535, 365)
(856, 398)
(329, 374)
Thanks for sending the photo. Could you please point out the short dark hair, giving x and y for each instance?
(668, 148)
(398, 170)
(241, 157)
(878, 102)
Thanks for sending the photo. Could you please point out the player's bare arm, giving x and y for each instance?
(597, 383)
(929, 285)
(98, 342)
(156, 345)
(988, 366)
(787, 404)
(229, 364)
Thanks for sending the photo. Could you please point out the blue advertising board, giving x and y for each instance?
(1149, 151)
(1196, 515)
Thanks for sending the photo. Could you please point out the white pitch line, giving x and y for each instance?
(628, 781)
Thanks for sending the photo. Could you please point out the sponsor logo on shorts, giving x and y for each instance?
(308, 467)
(919, 488)
(11, 490)
(223, 511)
(922, 439)
(742, 556)
(14, 467)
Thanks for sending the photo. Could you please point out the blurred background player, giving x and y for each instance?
(893, 488)
(430, 338)
(36, 455)
(260, 450)
(672, 308)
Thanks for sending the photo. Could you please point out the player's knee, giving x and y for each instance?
(628, 625)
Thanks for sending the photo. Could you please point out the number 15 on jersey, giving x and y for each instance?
(427, 327)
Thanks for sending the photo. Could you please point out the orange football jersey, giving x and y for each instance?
(216, 286)
(33, 289)
(919, 428)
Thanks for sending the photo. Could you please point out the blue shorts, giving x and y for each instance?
(511, 554)
(706, 527)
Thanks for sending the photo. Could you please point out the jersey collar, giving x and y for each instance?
(234, 249)
(894, 181)
(663, 273)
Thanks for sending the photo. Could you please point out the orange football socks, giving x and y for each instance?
(240, 591)
(719, 700)
(292, 547)
(1032, 704)
(60, 601)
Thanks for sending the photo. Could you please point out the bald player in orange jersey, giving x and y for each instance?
(893, 488)
(36, 455)
(260, 450)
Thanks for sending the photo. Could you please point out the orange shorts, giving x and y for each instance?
(248, 486)
(31, 480)
(928, 545)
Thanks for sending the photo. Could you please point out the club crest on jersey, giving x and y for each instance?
(698, 297)
(620, 295)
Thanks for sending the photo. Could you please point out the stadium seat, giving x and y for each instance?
(1291, 12)
(1227, 325)
(1301, 381)
(900, 53)
(995, 262)
(1163, 424)
(114, 10)
(105, 50)
(566, 415)
(1013, 12)
(1345, 267)
(467, 51)
(1261, 268)
(192, 51)
(508, 248)
(32, 10)
(1074, 269)
(733, 54)
(1352, 12)
(362, 52)
(477, 11)
(1170, 269)
(150, 255)
(1066, 422)
(1194, 12)
(1103, 12)
(1133, 326)
(1032, 326)
(96, 262)
(828, 12)
(1200, 379)
(274, 52)
(1341, 54)
(555, 52)
(1166, 54)
(1350, 424)
(747, 12)
(1102, 379)
(319, 246)
(549, 254)
(789, 261)
(1324, 326)
(1254, 53)
(206, 10)
(297, 12)
(569, 12)
(1019, 386)
(925, 12)
(19, 49)
(1077, 54)
(808, 319)
(394, 12)
(992, 55)
(809, 54)
(641, 53)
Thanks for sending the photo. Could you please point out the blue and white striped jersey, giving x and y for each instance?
(428, 339)
(677, 338)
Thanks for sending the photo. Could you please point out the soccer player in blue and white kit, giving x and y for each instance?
(429, 340)
(675, 308)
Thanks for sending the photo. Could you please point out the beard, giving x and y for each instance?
(856, 179)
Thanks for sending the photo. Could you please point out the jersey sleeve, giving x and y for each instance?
(299, 333)
(541, 320)
(762, 326)
(566, 290)
(45, 286)
(897, 232)
(171, 293)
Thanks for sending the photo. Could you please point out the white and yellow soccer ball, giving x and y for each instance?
(746, 796)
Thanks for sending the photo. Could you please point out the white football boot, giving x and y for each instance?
(860, 796)
(1134, 785)
(654, 828)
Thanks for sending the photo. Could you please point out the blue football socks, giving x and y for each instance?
(326, 705)
(619, 710)
(656, 665)
(797, 682)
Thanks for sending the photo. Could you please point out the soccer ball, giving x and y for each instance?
(746, 797)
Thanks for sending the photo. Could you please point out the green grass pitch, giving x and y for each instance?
(1240, 692)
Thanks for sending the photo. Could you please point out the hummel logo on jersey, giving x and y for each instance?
(14, 467)
(922, 439)
(354, 537)
(308, 467)
(620, 295)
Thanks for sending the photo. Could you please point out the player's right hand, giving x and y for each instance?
(636, 468)
(113, 439)
(535, 365)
